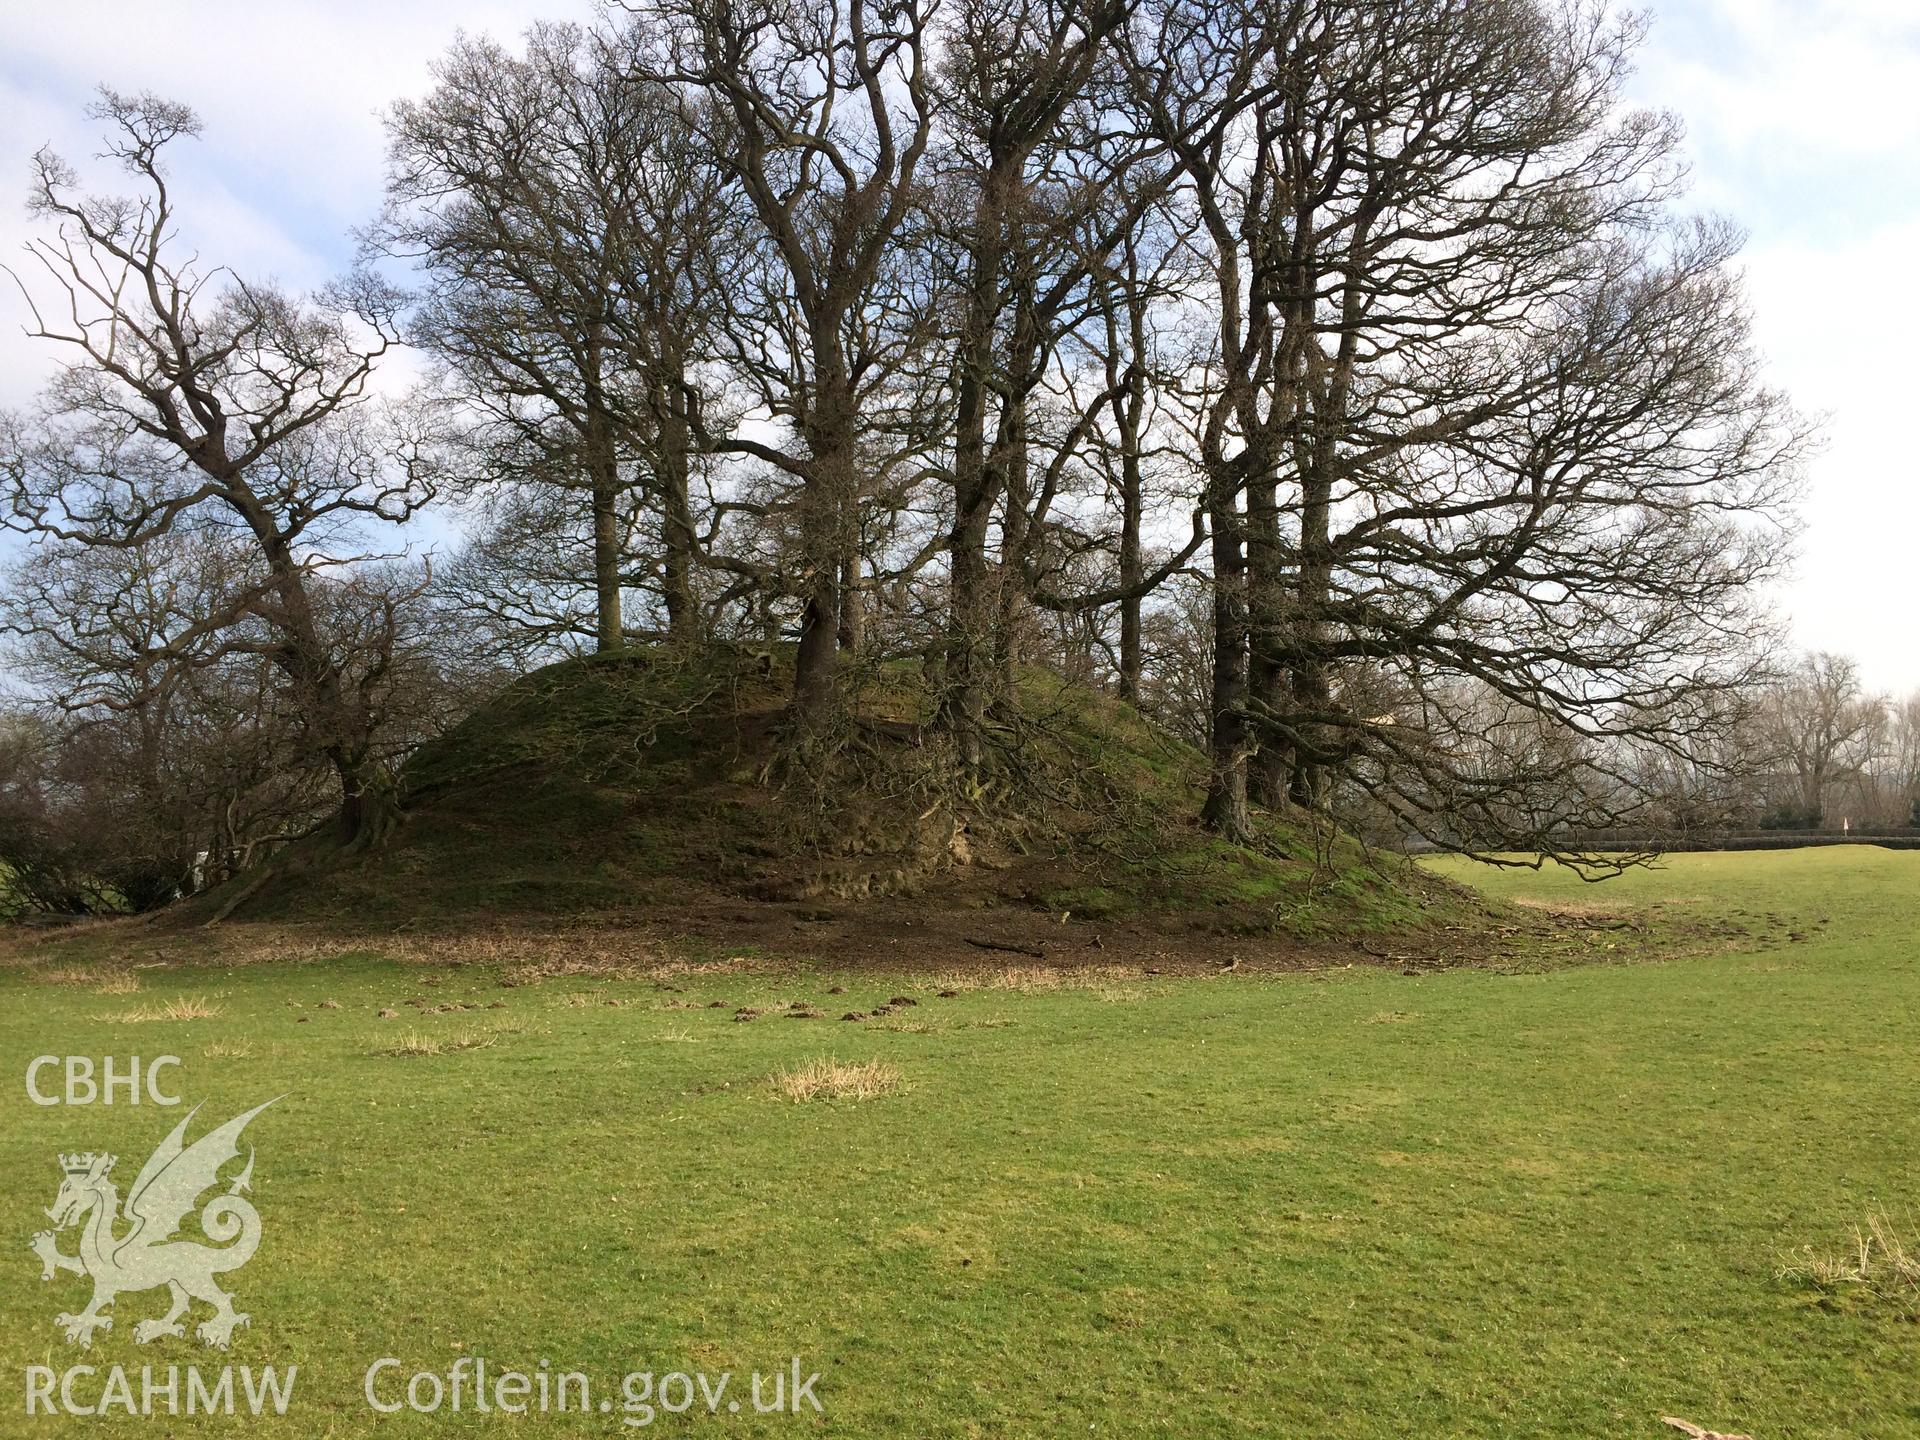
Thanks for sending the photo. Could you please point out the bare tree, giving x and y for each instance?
(196, 397)
(1823, 729)
(1194, 72)
(1010, 74)
(164, 767)
(821, 116)
(567, 225)
(916, 326)
(1479, 409)
(41, 868)
(1903, 760)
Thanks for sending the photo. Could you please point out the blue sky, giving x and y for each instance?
(1803, 119)
(1803, 122)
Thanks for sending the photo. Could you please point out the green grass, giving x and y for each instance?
(647, 780)
(1252, 891)
(1348, 1203)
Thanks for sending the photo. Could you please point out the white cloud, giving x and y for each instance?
(1803, 120)
(1810, 79)
(290, 95)
(1837, 324)
(1803, 117)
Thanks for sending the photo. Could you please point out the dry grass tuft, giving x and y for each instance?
(472, 1040)
(912, 1027)
(187, 1007)
(1027, 979)
(938, 1027)
(570, 968)
(1392, 1017)
(1036, 979)
(229, 1050)
(958, 981)
(121, 982)
(1882, 1261)
(831, 1079)
(527, 959)
(414, 1045)
(733, 965)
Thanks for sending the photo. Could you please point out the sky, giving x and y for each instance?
(1803, 124)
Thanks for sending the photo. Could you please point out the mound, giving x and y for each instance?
(650, 789)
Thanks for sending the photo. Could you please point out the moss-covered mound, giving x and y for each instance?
(657, 786)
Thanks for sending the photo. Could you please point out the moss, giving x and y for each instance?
(638, 779)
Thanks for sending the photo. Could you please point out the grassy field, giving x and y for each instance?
(1544, 1201)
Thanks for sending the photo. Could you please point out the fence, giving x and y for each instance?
(1905, 837)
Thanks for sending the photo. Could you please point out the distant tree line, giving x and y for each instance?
(1339, 381)
(1833, 754)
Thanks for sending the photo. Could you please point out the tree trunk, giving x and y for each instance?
(368, 807)
(603, 475)
(976, 482)
(338, 723)
(1013, 459)
(609, 632)
(852, 633)
(1269, 679)
(1130, 412)
(825, 504)
(1016, 537)
(970, 616)
(672, 465)
(1131, 660)
(1226, 812)
(1310, 680)
(814, 678)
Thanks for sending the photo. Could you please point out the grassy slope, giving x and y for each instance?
(1352, 1203)
(637, 783)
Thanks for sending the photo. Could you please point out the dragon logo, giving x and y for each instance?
(137, 1251)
